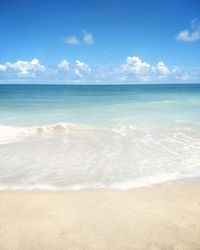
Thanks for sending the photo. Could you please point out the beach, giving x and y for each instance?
(163, 216)
(100, 125)
(99, 167)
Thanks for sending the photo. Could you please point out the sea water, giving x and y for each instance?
(65, 137)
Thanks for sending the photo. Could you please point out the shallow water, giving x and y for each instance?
(71, 137)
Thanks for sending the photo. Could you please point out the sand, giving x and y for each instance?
(161, 217)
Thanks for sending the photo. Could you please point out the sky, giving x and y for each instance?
(100, 41)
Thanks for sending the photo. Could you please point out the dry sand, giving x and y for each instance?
(161, 217)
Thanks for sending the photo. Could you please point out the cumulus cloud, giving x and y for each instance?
(191, 35)
(82, 67)
(24, 68)
(88, 38)
(161, 68)
(72, 40)
(135, 65)
(2, 67)
(64, 65)
(133, 70)
(77, 72)
(136, 69)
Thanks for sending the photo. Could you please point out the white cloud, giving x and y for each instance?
(2, 67)
(161, 68)
(133, 70)
(135, 65)
(64, 65)
(77, 72)
(88, 38)
(81, 66)
(136, 69)
(191, 35)
(26, 68)
(188, 36)
(73, 40)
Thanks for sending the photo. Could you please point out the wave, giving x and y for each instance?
(71, 156)
(9, 134)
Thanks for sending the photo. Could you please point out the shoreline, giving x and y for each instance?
(77, 188)
(163, 216)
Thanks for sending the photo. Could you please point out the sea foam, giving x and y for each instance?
(71, 156)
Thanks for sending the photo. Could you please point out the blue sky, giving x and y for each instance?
(104, 41)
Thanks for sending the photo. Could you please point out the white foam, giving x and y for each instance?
(72, 157)
(139, 183)
(9, 134)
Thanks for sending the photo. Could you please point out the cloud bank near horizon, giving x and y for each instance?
(132, 70)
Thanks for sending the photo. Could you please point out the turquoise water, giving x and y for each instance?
(59, 137)
(98, 105)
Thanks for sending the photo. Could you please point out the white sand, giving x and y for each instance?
(162, 217)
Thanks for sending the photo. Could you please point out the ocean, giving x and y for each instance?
(69, 137)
